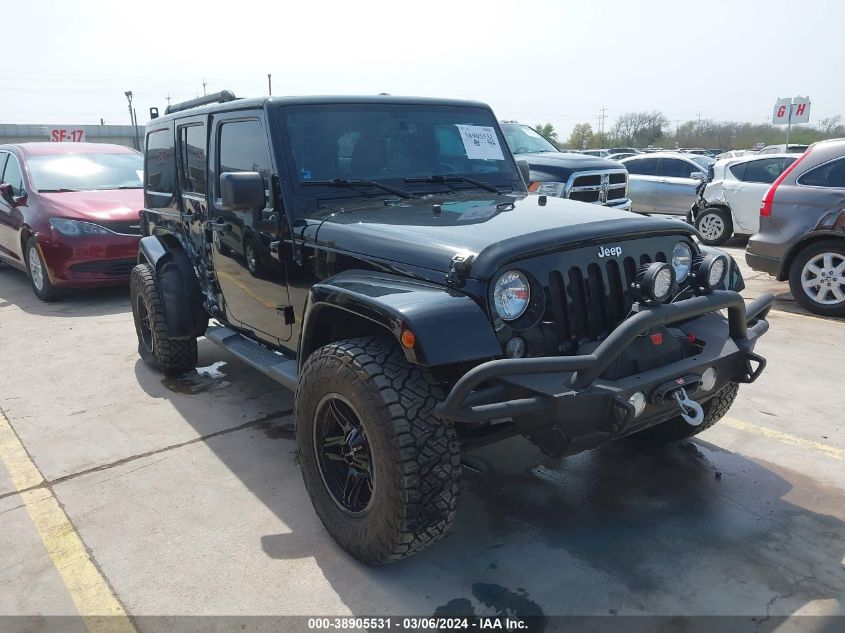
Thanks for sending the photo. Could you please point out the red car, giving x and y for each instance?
(70, 213)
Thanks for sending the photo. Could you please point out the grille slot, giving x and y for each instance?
(114, 267)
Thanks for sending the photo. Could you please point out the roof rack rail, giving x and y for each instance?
(216, 97)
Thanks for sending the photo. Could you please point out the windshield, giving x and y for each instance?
(524, 140)
(395, 144)
(704, 161)
(86, 172)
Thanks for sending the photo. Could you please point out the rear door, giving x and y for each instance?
(192, 159)
(752, 181)
(10, 216)
(642, 183)
(676, 190)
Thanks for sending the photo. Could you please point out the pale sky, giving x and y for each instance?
(70, 61)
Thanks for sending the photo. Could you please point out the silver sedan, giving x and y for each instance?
(665, 182)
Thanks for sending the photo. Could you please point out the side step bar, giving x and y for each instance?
(280, 368)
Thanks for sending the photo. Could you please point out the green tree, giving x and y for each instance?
(638, 128)
(547, 130)
(581, 136)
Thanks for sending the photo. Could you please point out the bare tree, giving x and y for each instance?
(639, 128)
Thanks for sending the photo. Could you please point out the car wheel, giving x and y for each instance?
(678, 429)
(154, 345)
(715, 226)
(817, 278)
(39, 278)
(253, 259)
(381, 470)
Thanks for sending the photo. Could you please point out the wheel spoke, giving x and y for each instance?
(840, 269)
(822, 293)
(837, 293)
(335, 457)
(811, 267)
(342, 419)
(352, 488)
(333, 440)
(810, 283)
(828, 260)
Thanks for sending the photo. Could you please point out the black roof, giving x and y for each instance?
(268, 102)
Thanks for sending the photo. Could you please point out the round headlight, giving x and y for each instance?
(658, 282)
(681, 260)
(511, 294)
(711, 272)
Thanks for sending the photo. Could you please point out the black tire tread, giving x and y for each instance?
(676, 429)
(424, 451)
(168, 355)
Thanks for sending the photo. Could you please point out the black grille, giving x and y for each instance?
(617, 179)
(615, 194)
(593, 180)
(587, 303)
(584, 196)
(126, 227)
(113, 267)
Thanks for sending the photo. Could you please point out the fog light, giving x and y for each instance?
(708, 379)
(711, 272)
(515, 348)
(638, 402)
(658, 282)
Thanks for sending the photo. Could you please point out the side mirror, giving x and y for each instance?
(242, 191)
(524, 170)
(8, 194)
(153, 113)
(697, 175)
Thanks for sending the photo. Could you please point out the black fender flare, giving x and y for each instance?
(178, 285)
(448, 326)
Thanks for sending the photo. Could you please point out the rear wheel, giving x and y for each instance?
(817, 278)
(39, 278)
(677, 429)
(154, 345)
(381, 470)
(715, 226)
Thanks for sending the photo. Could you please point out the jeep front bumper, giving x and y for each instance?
(568, 392)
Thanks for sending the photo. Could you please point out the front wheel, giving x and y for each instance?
(715, 226)
(817, 278)
(39, 278)
(678, 429)
(381, 470)
(154, 345)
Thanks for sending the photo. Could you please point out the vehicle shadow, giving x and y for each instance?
(15, 290)
(630, 528)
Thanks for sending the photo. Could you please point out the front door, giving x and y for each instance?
(10, 216)
(252, 283)
(675, 190)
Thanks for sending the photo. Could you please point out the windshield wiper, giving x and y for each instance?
(60, 190)
(441, 178)
(357, 182)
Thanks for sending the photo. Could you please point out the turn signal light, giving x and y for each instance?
(408, 339)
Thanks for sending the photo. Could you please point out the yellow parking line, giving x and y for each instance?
(234, 280)
(785, 438)
(92, 596)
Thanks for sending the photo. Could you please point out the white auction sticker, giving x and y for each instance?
(480, 142)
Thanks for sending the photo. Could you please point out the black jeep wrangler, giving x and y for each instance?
(382, 257)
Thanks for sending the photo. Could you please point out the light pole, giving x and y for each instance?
(133, 121)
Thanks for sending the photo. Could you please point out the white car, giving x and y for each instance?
(730, 203)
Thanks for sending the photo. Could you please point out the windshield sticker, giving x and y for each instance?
(480, 142)
(304, 174)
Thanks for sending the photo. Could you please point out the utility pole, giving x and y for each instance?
(132, 118)
(168, 100)
(601, 124)
(203, 88)
(269, 84)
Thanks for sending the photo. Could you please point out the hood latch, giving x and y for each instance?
(459, 269)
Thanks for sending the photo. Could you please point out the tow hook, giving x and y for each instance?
(691, 411)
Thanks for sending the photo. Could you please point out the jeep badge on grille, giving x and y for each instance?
(612, 251)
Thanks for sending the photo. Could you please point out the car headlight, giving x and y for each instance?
(554, 189)
(681, 260)
(77, 228)
(511, 295)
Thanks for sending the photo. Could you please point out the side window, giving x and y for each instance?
(3, 156)
(160, 162)
(192, 159)
(676, 168)
(642, 166)
(738, 170)
(243, 147)
(765, 171)
(830, 175)
(12, 175)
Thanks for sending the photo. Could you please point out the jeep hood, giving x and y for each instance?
(494, 230)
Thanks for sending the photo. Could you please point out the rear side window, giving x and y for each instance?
(192, 156)
(243, 147)
(675, 168)
(12, 175)
(160, 162)
(642, 166)
(831, 174)
(738, 170)
(765, 171)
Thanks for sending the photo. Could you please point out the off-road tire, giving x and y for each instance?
(164, 353)
(805, 255)
(415, 456)
(724, 216)
(676, 429)
(48, 292)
